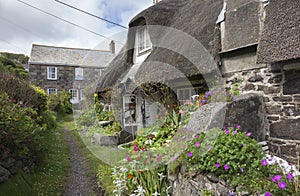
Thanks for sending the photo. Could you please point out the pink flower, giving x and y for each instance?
(159, 158)
(268, 194)
(128, 157)
(187, 102)
(235, 132)
(249, 134)
(197, 144)
(226, 167)
(197, 136)
(181, 111)
(226, 131)
(190, 154)
(264, 162)
(238, 126)
(244, 144)
(209, 148)
(218, 165)
(276, 178)
(282, 185)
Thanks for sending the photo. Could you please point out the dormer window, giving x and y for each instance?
(143, 38)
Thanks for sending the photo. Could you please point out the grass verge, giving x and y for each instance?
(50, 177)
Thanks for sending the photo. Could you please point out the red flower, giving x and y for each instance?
(130, 176)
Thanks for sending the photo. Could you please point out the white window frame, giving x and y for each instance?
(143, 40)
(74, 93)
(50, 74)
(101, 72)
(78, 73)
(51, 91)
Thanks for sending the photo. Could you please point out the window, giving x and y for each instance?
(74, 93)
(101, 72)
(52, 73)
(184, 94)
(144, 43)
(51, 91)
(78, 73)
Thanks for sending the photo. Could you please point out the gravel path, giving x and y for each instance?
(79, 184)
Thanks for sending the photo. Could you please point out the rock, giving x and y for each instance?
(7, 163)
(16, 167)
(286, 129)
(247, 110)
(4, 174)
(109, 140)
(125, 137)
(104, 123)
(207, 117)
(212, 177)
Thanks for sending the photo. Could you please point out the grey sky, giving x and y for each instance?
(22, 26)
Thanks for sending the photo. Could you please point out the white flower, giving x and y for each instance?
(156, 194)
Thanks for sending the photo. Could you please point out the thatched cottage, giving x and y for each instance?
(178, 48)
(71, 69)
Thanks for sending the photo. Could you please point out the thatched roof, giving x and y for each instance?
(52, 55)
(280, 38)
(192, 22)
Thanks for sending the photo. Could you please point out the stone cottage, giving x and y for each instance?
(250, 44)
(71, 69)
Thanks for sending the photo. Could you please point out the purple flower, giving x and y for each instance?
(226, 131)
(276, 178)
(197, 136)
(128, 157)
(226, 167)
(190, 154)
(244, 144)
(218, 165)
(264, 162)
(268, 194)
(235, 132)
(209, 148)
(197, 144)
(249, 134)
(238, 127)
(282, 185)
(159, 158)
(289, 176)
(242, 170)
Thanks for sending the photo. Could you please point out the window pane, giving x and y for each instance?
(78, 73)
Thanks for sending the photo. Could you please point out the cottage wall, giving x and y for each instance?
(279, 84)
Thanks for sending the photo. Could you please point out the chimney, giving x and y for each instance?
(112, 47)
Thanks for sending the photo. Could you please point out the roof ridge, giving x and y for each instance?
(70, 48)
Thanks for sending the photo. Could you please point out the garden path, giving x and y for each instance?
(79, 183)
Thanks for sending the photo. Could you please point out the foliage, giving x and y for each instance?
(234, 157)
(216, 95)
(20, 135)
(12, 63)
(86, 118)
(129, 180)
(51, 176)
(60, 103)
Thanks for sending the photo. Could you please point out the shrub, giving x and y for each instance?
(60, 103)
(236, 158)
(20, 133)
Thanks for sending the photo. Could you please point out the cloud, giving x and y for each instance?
(22, 26)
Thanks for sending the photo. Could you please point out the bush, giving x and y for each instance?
(60, 103)
(20, 133)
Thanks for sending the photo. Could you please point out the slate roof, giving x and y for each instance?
(280, 39)
(51, 55)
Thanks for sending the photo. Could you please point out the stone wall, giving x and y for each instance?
(279, 84)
